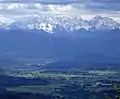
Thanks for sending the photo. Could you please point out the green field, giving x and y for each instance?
(44, 89)
(42, 75)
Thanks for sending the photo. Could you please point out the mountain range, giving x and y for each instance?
(53, 23)
(61, 37)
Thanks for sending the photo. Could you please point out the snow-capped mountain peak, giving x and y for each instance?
(99, 23)
(52, 23)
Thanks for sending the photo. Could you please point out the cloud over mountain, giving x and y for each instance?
(85, 8)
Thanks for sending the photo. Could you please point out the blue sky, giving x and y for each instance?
(13, 9)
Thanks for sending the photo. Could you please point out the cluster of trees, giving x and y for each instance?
(117, 89)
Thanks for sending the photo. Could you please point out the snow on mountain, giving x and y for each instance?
(103, 23)
(3, 25)
(52, 23)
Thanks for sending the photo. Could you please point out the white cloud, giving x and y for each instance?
(41, 8)
(18, 10)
